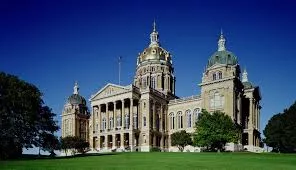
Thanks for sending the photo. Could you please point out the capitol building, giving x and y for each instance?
(144, 114)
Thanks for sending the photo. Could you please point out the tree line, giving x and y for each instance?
(26, 122)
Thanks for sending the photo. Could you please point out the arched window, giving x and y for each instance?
(196, 114)
(180, 120)
(144, 121)
(219, 75)
(153, 82)
(214, 76)
(189, 118)
(172, 120)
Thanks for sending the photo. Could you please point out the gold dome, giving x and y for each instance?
(154, 52)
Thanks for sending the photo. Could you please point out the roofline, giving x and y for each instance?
(108, 84)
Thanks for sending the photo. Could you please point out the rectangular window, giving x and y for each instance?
(135, 122)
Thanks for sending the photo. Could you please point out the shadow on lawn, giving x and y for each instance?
(37, 157)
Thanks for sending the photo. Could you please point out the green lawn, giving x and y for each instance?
(161, 161)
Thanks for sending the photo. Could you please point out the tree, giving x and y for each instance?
(214, 130)
(181, 139)
(65, 144)
(280, 131)
(23, 116)
(73, 143)
(50, 143)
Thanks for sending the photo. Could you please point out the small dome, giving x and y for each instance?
(222, 57)
(154, 53)
(76, 99)
(248, 85)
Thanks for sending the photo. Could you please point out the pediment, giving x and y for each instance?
(109, 90)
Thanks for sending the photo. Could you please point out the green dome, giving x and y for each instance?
(248, 85)
(76, 99)
(222, 57)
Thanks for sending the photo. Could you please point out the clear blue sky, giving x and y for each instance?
(51, 44)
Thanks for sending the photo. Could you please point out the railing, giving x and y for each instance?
(185, 99)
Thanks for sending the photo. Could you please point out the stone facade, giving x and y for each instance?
(143, 115)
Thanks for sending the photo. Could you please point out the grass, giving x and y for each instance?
(161, 161)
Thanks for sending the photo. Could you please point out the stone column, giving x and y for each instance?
(169, 83)
(169, 141)
(165, 118)
(106, 141)
(131, 141)
(114, 115)
(107, 117)
(165, 82)
(131, 114)
(153, 116)
(250, 126)
(140, 116)
(99, 118)
(259, 118)
(113, 142)
(122, 140)
(122, 114)
(250, 138)
(161, 142)
(239, 109)
(137, 113)
(174, 92)
(97, 143)
(161, 118)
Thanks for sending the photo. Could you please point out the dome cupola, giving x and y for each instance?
(222, 56)
(154, 52)
(75, 98)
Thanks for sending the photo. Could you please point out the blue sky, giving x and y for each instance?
(52, 44)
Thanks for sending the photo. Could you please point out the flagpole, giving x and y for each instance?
(119, 69)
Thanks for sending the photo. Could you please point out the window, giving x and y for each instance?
(196, 114)
(97, 127)
(216, 101)
(172, 121)
(104, 124)
(144, 121)
(157, 121)
(153, 83)
(126, 124)
(118, 121)
(135, 121)
(219, 75)
(144, 84)
(214, 76)
(180, 120)
(189, 118)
